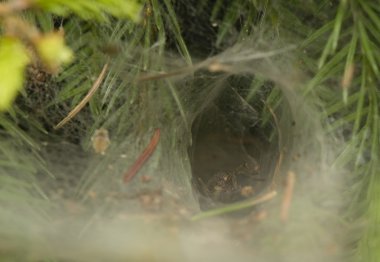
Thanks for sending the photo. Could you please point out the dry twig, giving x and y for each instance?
(85, 100)
(288, 194)
(143, 157)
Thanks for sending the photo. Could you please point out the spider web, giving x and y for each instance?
(238, 100)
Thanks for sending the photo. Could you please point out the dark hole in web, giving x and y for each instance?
(232, 158)
(201, 22)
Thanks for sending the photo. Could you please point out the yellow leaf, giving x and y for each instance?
(52, 50)
(13, 60)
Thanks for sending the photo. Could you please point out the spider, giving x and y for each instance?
(226, 187)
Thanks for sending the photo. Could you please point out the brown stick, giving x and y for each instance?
(143, 157)
(85, 100)
(12, 7)
(288, 194)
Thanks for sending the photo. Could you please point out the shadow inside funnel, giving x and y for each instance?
(231, 156)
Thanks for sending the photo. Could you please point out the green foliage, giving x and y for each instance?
(339, 48)
(50, 47)
(349, 59)
(92, 9)
(52, 51)
(13, 59)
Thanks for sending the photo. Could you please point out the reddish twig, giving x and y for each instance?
(143, 157)
(288, 194)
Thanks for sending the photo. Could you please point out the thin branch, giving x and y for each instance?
(85, 100)
(288, 195)
(143, 157)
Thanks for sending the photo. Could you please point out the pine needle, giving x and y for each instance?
(236, 206)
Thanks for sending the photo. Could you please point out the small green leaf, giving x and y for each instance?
(318, 34)
(92, 9)
(338, 24)
(52, 50)
(373, 16)
(326, 52)
(367, 47)
(13, 60)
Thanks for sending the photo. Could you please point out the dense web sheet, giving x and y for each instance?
(209, 122)
(234, 129)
